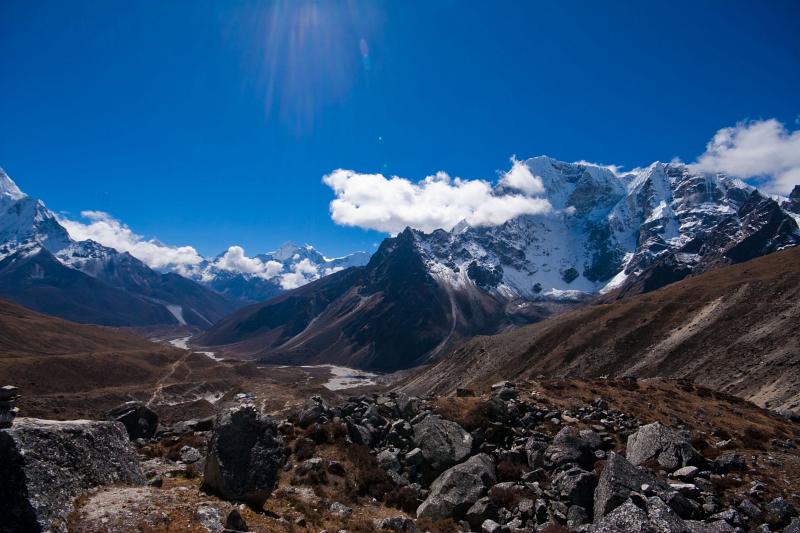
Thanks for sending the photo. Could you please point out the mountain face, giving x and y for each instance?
(732, 329)
(610, 230)
(42, 268)
(420, 293)
(286, 268)
(390, 314)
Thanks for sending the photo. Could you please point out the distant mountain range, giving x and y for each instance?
(607, 231)
(43, 268)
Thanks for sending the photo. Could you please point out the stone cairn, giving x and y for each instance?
(8, 405)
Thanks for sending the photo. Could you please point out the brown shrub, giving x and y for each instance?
(327, 433)
(303, 448)
(404, 498)
(370, 478)
(503, 497)
(311, 477)
(469, 413)
(509, 471)
(754, 438)
(438, 526)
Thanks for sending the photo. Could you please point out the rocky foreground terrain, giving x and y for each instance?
(540, 455)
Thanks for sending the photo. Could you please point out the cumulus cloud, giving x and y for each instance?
(108, 231)
(763, 151)
(522, 179)
(373, 201)
(235, 260)
(302, 272)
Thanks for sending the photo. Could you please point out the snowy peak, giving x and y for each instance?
(9, 189)
(287, 251)
(606, 227)
(25, 221)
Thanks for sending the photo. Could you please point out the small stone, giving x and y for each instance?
(687, 473)
(490, 526)
(189, 454)
(340, 510)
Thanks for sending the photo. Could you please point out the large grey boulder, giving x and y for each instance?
(576, 485)
(568, 447)
(443, 443)
(140, 421)
(617, 481)
(657, 442)
(244, 456)
(45, 464)
(454, 492)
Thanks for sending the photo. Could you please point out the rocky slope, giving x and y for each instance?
(546, 455)
(731, 329)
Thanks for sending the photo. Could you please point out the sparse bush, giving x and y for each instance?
(503, 497)
(371, 479)
(404, 498)
(303, 449)
(509, 471)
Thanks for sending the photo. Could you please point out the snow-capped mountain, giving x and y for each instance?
(606, 229)
(41, 267)
(25, 222)
(421, 292)
(38, 258)
(269, 274)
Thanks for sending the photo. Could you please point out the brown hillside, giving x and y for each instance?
(734, 329)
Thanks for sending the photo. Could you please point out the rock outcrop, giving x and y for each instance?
(45, 464)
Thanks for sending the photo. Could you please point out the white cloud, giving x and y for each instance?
(302, 272)
(108, 231)
(235, 260)
(522, 179)
(763, 151)
(373, 201)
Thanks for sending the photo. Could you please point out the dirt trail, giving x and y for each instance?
(161, 382)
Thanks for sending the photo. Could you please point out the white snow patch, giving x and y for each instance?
(177, 312)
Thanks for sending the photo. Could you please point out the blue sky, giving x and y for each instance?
(213, 123)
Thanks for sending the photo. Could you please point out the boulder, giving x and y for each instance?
(617, 481)
(657, 442)
(443, 443)
(568, 447)
(454, 492)
(45, 464)
(576, 485)
(140, 421)
(316, 411)
(481, 510)
(244, 456)
(779, 512)
(535, 447)
(644, 516)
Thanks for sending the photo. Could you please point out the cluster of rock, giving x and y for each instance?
(571, 480)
